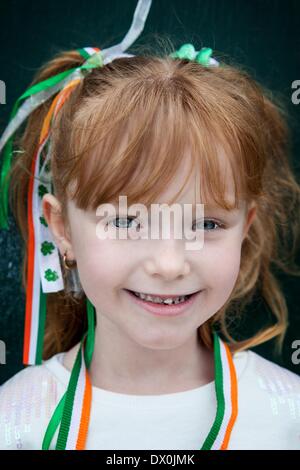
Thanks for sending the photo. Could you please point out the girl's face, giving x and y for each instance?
(109, 266)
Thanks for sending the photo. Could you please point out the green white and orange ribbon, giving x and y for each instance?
(72, 414)
(44, 270)
(226, 396)
(74, 409)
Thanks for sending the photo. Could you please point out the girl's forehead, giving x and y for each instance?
(191, 188)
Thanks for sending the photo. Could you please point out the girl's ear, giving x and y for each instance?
(58, 226)
(250, 216)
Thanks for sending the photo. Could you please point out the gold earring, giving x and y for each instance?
(68, 266)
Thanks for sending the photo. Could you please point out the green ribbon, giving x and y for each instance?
(211, 437)
(93, 61)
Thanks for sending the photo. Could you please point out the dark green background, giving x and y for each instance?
(263, 36)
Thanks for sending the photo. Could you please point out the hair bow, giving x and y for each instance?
(203, 57)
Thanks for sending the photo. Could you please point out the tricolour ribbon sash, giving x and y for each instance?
(74, 409)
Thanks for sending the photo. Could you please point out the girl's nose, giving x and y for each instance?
(168, 260)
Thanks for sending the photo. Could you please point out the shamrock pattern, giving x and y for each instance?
(47, 248)
(51, 275)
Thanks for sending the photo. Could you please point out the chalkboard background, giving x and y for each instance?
(262, 35)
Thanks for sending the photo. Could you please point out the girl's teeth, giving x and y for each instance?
(158, 300)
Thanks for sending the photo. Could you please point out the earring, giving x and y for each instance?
(66, 262)
(71, 278)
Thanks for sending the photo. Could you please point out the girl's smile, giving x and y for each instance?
(162, 309)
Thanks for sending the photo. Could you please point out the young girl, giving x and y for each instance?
(122, 368)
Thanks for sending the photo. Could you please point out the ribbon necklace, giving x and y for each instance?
(74, 409)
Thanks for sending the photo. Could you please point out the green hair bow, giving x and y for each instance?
(203, 57)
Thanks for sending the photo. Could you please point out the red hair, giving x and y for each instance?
(165, 105)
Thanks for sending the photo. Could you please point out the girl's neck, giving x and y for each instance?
(142, 371)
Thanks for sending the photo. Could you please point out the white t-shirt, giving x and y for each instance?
(268, 410)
